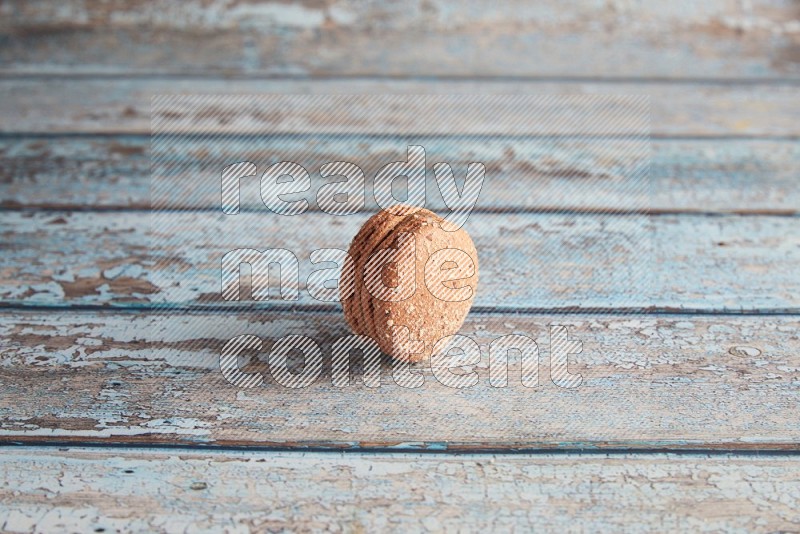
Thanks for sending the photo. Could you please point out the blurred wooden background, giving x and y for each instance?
(689, 417)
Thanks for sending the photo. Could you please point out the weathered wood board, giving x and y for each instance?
(648, 382)
(730, 176)
(716, 39)
(527, 261)
(695, 349)
(124, 105)
(88, 490)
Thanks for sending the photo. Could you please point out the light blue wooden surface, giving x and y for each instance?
(706, 358)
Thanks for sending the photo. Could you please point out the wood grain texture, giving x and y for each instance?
(732, 176)
(722, 39)
(526, 260)
(648, 382)
(81, 490)
(124, 105)
(723, 78)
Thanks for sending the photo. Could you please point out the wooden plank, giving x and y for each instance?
(732, 176)
(83, 490)
(648, 382)
(526, 260)
(124, 105)
(722, 39)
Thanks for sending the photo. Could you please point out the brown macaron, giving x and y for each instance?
(414, 281)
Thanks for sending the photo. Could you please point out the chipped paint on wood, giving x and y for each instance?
(648, 382)
(586, 261)
(124, 105)
(83, 490)
(717, 39)
(677, 381)
(740, 176)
